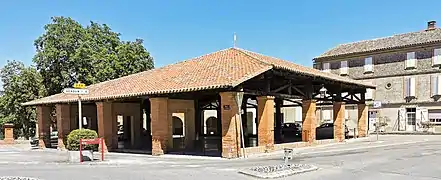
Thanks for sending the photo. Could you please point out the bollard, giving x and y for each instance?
(288, 154)
(355, 134)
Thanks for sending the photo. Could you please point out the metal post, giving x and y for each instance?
(102, 148)
(80, 119)
(376, 124)
(355, 133)
(81, 149)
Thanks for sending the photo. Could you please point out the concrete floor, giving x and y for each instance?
(393, 157)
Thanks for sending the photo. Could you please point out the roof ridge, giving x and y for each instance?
(156, 69)
(374, 39)
(275, 58)
(246, 52)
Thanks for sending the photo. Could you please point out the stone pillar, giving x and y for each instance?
(265, 114)
(309, 120)
(44, 124)
(106, 123)
(339, 121)
(230, 125)
(362, 120)
(161, 126)
(9, 133)
(63, 123)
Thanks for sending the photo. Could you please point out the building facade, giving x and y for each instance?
(406, 69)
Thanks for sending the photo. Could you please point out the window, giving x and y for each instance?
(409, 85)
(368, 65)
(326, 67)
(411, 116)
(410, 61)
(436, 57)
(344, 68)
(435, 85)
(369, 94)
(435, 115)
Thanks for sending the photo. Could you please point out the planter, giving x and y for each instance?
(74, 156)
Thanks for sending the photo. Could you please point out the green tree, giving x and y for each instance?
(20, 84)
(68, 52)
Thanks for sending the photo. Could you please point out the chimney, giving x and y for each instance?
(431, 25)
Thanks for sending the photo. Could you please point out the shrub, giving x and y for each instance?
(73, 139)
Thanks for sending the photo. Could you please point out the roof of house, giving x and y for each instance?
(222, 69)
(385, 43)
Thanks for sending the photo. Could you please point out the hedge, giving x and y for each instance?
(73, 139)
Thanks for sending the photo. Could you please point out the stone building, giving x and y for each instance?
(406, 71)
(201, 105)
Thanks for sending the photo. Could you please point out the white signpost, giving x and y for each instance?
(377, 105)
(79, 90)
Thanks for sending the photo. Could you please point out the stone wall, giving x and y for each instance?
(389, 68)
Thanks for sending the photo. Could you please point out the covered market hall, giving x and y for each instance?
(162, 110)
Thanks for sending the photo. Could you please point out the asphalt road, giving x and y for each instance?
(401, 158)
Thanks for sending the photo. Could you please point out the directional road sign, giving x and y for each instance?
(75, 91)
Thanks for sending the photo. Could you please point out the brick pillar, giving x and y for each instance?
(309, 120)
(106, 123)
(8, 129)
(44, 124)
(230, 125)
(339, 121)
(161, 126)
(265, 116)
(362, 120)
(63, 123)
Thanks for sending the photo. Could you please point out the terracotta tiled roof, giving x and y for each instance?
(391, 42)
(221, 69)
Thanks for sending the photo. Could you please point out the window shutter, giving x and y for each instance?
(410, 61)
(417, 116)
(438, 85)
(401, 119)
(344, 67)
(424, 114)
(433, 85)
(437, 57)
(406, 87)
(368, 66)
(412, 87)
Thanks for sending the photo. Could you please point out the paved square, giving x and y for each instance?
(394, 157)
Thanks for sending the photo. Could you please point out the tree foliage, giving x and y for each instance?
(68, 52)
(21, 84)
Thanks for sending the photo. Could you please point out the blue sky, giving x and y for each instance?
(177, 30)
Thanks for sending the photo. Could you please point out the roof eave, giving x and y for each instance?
(100, 98)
